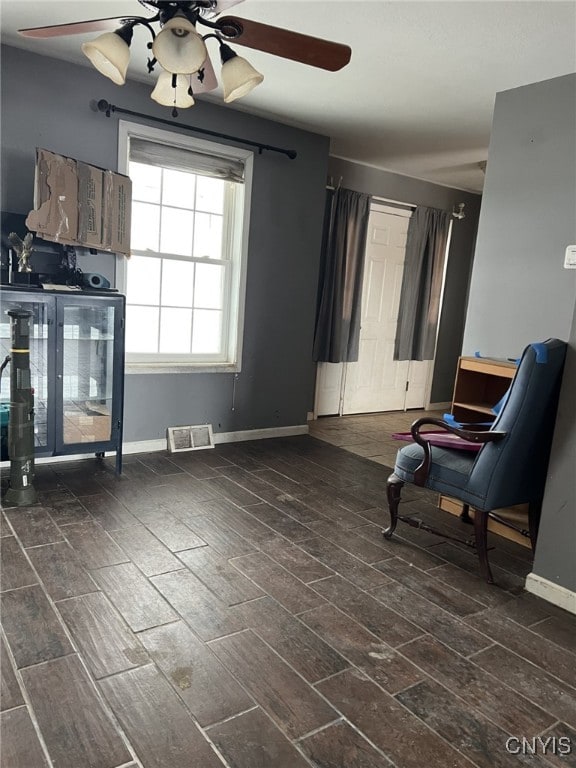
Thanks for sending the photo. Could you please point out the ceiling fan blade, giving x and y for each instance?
(282, 42)
(76, 28)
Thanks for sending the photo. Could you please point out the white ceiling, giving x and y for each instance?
(418, 95)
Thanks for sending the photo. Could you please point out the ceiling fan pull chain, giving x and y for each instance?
(174, 83)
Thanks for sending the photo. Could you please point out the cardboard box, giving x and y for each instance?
(90, 191)
(80, 204)
(117, 207)
(55, 214)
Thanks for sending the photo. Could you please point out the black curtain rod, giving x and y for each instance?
(107, 108)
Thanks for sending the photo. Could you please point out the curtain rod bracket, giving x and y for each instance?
(104, 106)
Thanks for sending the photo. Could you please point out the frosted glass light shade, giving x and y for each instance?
(110, 54)
(164, 94)
(178, 48)
(238, 78)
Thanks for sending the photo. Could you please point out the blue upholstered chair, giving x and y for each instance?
(510, 467)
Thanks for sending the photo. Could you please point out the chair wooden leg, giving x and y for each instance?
(393, 490)
(465, 514)
(481, 536)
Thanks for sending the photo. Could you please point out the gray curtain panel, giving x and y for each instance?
(340, 288)
(421, 284)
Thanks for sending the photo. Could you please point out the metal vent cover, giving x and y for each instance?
(190, 438)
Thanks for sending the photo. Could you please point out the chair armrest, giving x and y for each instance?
(474, 436)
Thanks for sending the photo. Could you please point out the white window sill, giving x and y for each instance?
(138, 368)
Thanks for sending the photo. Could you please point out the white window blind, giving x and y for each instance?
(178, 159)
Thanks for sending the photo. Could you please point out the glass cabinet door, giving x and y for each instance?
(85, 381)
(40, 373)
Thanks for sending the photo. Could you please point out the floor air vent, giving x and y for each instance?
(193, 438)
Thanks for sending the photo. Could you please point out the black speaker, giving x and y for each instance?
(94, 280)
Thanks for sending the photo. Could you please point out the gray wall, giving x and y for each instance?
(393, 186)
(519, 291)
(556, 551)
(46, 103)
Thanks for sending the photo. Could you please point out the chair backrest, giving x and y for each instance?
(513, 470)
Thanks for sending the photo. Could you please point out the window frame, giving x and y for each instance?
(234, 309)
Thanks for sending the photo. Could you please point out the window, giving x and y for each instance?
(184, 282)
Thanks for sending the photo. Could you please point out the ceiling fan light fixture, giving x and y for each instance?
(178, 48)
(110, 53)
(167, 95)
(238, 76)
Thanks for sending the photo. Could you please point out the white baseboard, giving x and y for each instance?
(39, 460)
(553, 593)
(144, 446)
(260, 434)
(148, 446)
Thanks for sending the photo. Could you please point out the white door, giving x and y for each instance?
(377, 382)
(328, 389)
(419, 383)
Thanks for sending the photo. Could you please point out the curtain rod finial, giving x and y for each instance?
(458, 211)
(104, 106)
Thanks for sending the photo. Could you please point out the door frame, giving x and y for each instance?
(388, 206)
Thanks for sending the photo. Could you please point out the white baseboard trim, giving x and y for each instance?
(260, 434)
(144, 446)
(39, 460)
(553, 593)
(148, 446)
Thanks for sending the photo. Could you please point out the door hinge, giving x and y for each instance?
(407, 385)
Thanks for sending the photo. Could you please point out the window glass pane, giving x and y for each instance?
(143, 280)
(177, 282)
(87, 363)
(142, 329)
(175, 331)
(210, 194)
(207, 236)
(38, 359)
(145, 182)
(208, 286)
(178, 188)
(206, 332)
(182, 284)
(176, 231)
(145, 226)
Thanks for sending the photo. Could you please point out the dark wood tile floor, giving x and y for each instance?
(238, 607)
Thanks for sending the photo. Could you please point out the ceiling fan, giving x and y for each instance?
(181, 53)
